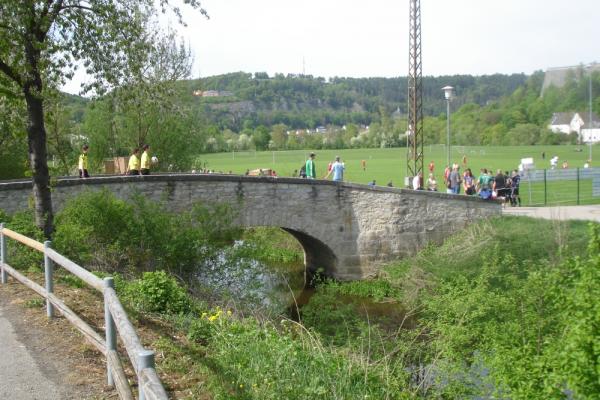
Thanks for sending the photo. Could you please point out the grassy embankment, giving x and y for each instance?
(384, 165)
(496, 285)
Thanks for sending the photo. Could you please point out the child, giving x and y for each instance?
(83, 162)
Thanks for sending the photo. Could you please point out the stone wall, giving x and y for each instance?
(349, 230)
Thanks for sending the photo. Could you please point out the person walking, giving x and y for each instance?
(311, 172)
(133, 167)
(83, 162)
(145, 161)
(514, 187)
(338, 169)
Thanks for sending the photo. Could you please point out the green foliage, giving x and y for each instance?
(201, 330)
(19, 255)
(4, 217)
(271, 245)
(377, 289)
(36, 302)
(158, 292)
(112, 234)
(532, 324)
(263, 362)
(336, 321)
(71, 280)
(579, 347)
(466, 252)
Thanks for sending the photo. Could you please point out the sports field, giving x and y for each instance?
(385, 165)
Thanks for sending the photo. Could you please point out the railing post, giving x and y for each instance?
(145, 360)
(111, 334)
(3, 254)
(48, 272)
(577, 185)
(545, 189)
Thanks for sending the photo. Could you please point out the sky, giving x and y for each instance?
(353, 38)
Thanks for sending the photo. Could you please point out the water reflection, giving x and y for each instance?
(252, 285)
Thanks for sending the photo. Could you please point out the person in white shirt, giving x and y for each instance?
(417, 182)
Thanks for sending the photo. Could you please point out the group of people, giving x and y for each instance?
(137, 165)
(503, 185)
(335, 168)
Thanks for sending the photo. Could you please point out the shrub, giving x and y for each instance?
(158, 292)
(139, 234)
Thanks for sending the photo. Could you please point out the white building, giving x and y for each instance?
(590, 135)
(566, 122)
(577, 122)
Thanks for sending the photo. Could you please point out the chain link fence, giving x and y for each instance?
(570, 186)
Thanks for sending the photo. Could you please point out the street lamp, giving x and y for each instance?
(591, 123)
(448, 94)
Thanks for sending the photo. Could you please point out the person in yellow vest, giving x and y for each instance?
(133, 167)
(83, 162)
(145, 164)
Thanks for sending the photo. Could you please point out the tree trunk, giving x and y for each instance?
(36, 134)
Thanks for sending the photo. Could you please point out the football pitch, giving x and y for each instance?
(389, 165)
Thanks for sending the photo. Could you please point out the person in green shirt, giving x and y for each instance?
(133, 167)
(311, 172)
(83, 162)
(484, 185)
(145, 162)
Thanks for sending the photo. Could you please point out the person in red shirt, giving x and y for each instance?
(431, 167)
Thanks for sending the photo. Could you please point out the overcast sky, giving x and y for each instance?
(370, 38)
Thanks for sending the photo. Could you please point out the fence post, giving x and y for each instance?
(145, 360)
(111, 335)
(577, 185)
(3, 254)
(545, 188)
(48, 272)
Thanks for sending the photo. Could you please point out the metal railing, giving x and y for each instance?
(570, 186)
(115, 318)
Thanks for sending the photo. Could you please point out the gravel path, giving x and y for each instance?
(42, 359)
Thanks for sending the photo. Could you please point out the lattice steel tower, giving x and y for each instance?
(415, 94)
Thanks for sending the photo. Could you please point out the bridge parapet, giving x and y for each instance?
(347, 229)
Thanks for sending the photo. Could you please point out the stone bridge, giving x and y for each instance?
(349, 230)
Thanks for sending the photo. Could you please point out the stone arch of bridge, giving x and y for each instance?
(318, 257)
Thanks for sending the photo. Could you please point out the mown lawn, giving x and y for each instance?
(385, 165)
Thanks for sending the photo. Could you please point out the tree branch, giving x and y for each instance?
(11, 73)
(77, 6)
(49, 16)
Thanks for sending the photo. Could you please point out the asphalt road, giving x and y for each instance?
(20, 376)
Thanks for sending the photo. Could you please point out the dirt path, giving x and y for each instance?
(41, 358)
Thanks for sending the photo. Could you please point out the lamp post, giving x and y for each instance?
(448, 94)
(591, 123)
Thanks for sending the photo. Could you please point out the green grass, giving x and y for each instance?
(526, 239)
(384, 165)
